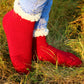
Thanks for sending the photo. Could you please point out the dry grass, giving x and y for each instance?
(65, 36)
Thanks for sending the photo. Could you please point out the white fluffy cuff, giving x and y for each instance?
(40, 32)
(24, 15)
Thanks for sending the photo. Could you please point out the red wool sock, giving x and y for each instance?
(46, 52)
(19, 37)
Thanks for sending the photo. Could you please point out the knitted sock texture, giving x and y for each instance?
(19, 33)
(46, 52)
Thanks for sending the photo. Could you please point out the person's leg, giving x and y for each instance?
(19, 37)
(18, 25)
(46, 52)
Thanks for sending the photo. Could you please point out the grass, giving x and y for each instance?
(63, 35)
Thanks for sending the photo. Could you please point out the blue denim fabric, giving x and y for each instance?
(36, 6)
(42, 23)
